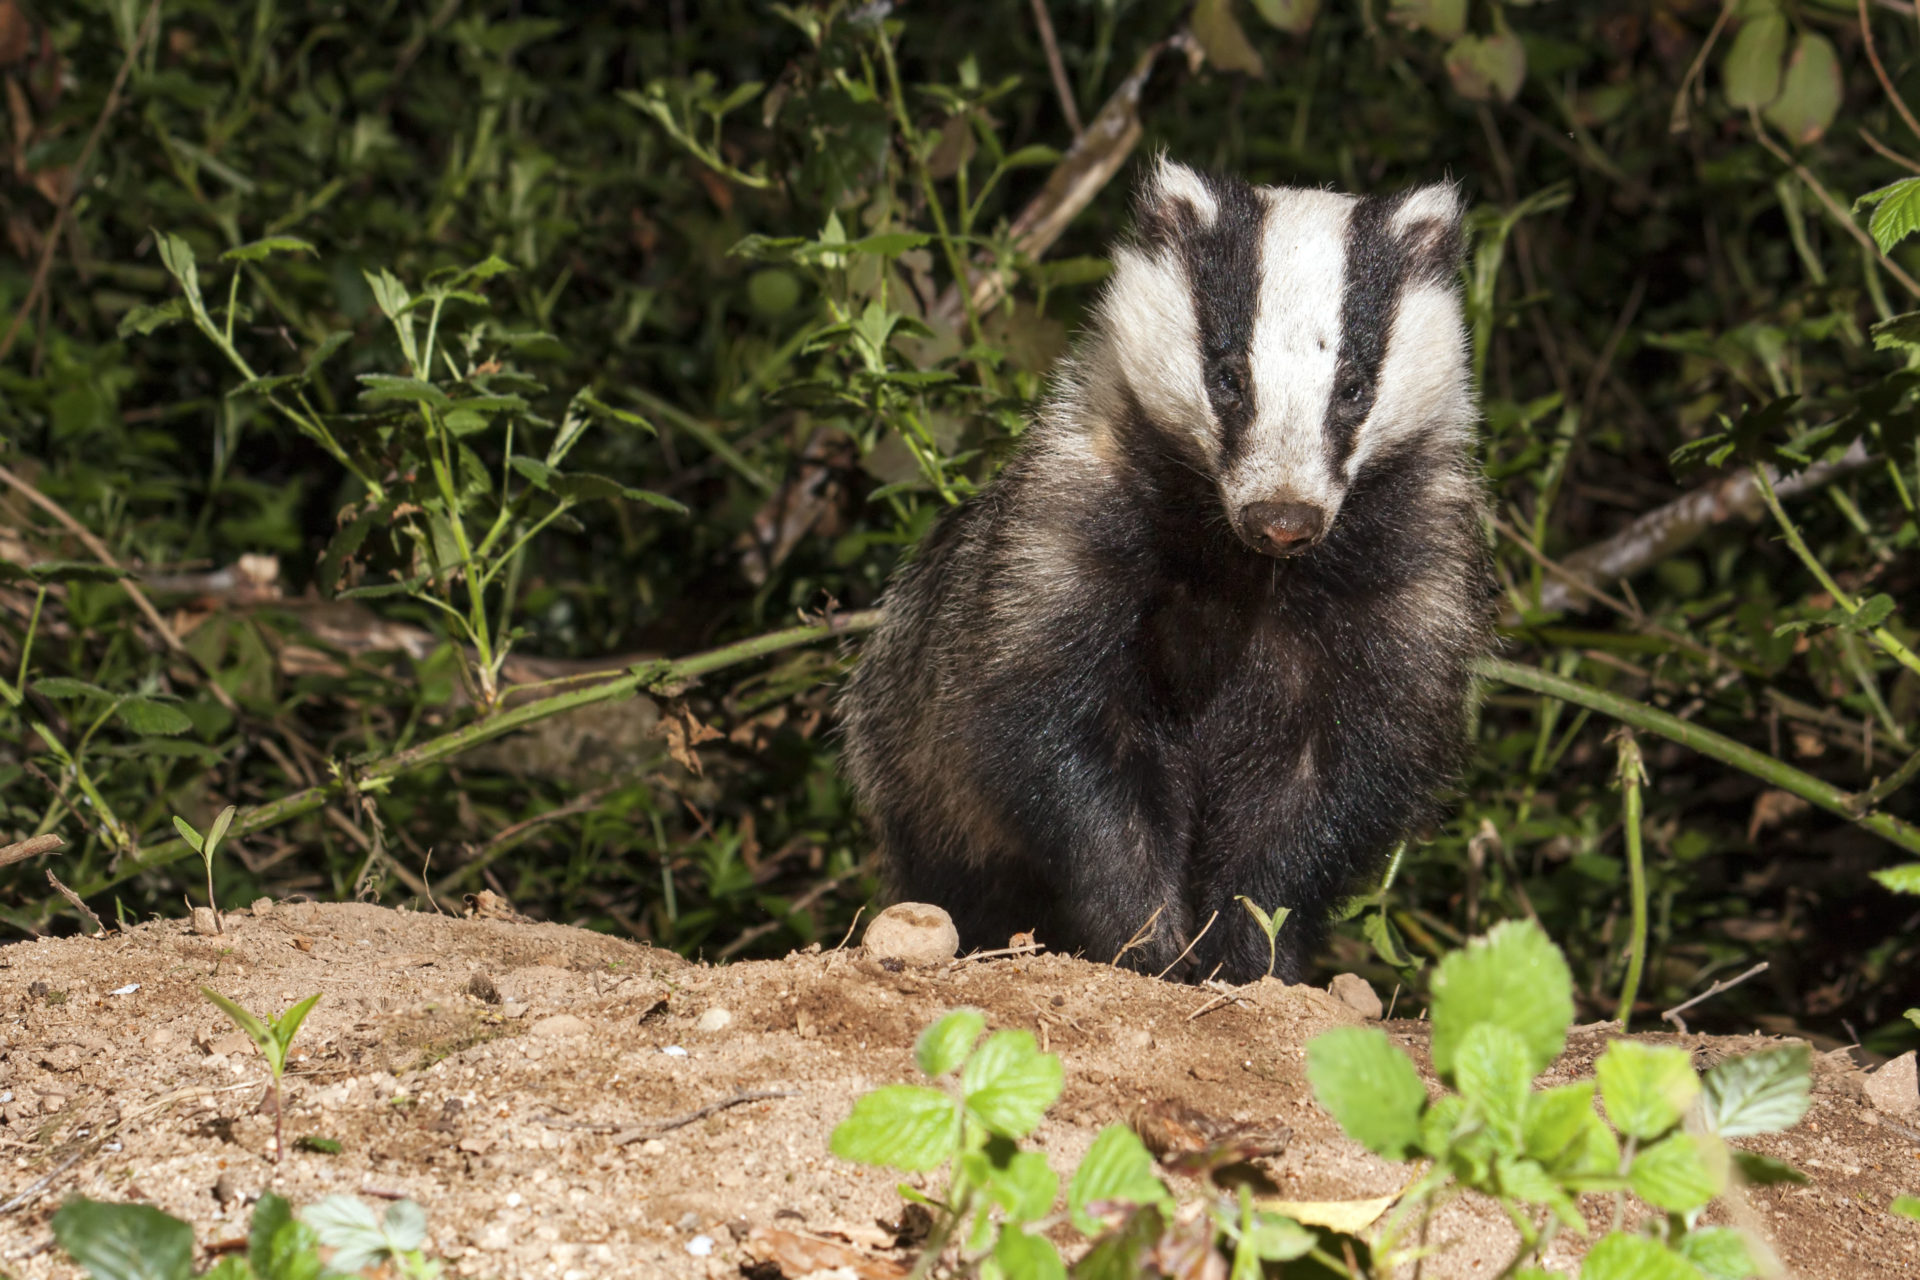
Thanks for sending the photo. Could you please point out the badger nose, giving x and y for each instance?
(1281, 528)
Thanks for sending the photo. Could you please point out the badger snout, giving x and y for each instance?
(1281, 528)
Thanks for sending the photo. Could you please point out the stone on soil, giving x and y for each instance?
(1358, 994)
(1894, 1089)
(914, 933)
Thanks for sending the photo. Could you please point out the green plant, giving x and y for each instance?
(1906, 1207)
(273, 1040)
(1269, 924)
(204, 845)
(1500, 1013)
(139, 1242)
(999, 1198)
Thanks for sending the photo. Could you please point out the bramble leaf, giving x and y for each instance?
(1647, 1088)
(1515, 978)
(1681, 1172)
(943, 1046)
(1620, 1256)
(901, 1126)
(1369, 1087)
(1116, 1170)
(1009, 1084)
(124, 1241)
(1764, 1092)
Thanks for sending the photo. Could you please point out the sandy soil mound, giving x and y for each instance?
(566, 1104)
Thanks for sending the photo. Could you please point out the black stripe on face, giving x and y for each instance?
(1223, 276)
(1377, 267)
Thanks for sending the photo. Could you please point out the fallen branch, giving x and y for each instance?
(1673, 1015)
(31, 847)
(1668, 530)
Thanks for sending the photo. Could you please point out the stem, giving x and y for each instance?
(1883, 637)
(1632, 774)
(370, 775)
(1705, 741)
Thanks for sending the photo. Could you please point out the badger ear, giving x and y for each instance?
(1427, 222)
(1173, 201)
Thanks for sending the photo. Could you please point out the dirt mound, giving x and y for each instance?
(564, 1103)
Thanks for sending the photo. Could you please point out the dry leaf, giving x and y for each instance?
(799, 1255)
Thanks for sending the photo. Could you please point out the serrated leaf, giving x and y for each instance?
(1527, 1180)
(901, 1126)
(384, 388)
(1620, 1256)
(1116, 1170)
(1009, 1084)
(146, 716)
(1646, 1088)
(1369, 1087)
(1025, 1186)
(1809, 93)
(1896, 212)
(405, 1222)
(124, 1241)
(1901, 879)
(1751, 72)
(1553, 1120)
(1491, 1071)
(350, 1229)
(177, 256)
(1223, 39)
(943, 1046)
(68, 687)
(255, 250)
(1874, 611)
(1720, 1252)
(1295, 17)
(1515, 978)
(1027, 1257)
(1681, 1172)
(1765, 1092)
(1488, 68)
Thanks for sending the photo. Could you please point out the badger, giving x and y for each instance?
(1209, 632)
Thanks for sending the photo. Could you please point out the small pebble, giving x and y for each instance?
(1894, 1089)
(261, 908)
(1357, 994)
(558, 1025)
(206, 922)
(653, 1147)
(674, 1051)
(127, 990)
(700, 1246)
(915, 933)
(713, 1020)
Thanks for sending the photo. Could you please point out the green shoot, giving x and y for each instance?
(273, 1039)
(1269, 925)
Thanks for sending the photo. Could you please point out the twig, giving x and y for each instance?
(1871, 798)
(1673, 1015)
(1057, 68)
(1677, 121)
(1025, 949)
(139, 598)
(847, 937)
(74, 900)
(31, 847)
(625, 1136)
(1873, 56)
(1225, 997)
(1904, 162)
(44, 1181)
(1140, 935)
(1833, 207)
(801, 903)
(76, 179)
(1190, 946)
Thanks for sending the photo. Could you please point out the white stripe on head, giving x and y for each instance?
(1424, 385)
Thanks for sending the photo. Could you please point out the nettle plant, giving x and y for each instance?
(999, 1199)
(1500, 1013)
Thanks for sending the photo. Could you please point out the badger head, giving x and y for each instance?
(1280, 339)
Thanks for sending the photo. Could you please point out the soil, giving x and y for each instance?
(518, 1079)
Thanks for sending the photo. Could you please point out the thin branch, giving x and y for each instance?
(1886, 82)
(76, 178)
(1190, 946)
(32, 847)
(657, 677)
(77, 903)
(1888, 152)
(1677, 121)
(1833, 207)
(1061, 85)
(1673, 1015)
(623, 1137)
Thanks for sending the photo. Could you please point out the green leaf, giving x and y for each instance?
(1810, 94)
(887, 244)
(76, 571)
(1904, 878)
(1721, 1252)
(1913, 1015)
(195, 841)
(1446, 19)
(218, 831)
(146, 320)
(391, 296)
(1765, 1092)
(1025, 1186)
(177, 256)
(287, 1025)
(1369, 1087)
(384, 388)
(1681, 1172)
(1515, 978)
(1901, 332)
(1027, 1257)
(1295, 17)
(1223, 39)
(1647, 1088)
(1874, 610)
(943, 1046)
(1896, 212)
(1009, 1084)
(1115, 1170)
(1527, 1180)
(124, 1241)
(899, 1125)
(243, 1019)
(1620, 1256)
(278, 1246)
(1906, 1207)
(348, 1227)
(1751, 72)
(146, 716)
(1491, 1071)
(1274, 1238)
(1488, 68)
(321, 1146)
(255, 250)
(1386, 941)
(1764, 1171)
(267, 386)
(68, 687)
(1554, 1119)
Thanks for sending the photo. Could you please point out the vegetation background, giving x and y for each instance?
(372, 373)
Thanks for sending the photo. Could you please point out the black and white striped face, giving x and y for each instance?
(1286, 337)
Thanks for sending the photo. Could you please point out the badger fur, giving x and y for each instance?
(1209, 633)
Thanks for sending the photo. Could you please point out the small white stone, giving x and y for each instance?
(700, 1246)
(653, 1147)
(674, 1051)
(916, 933)
(715, 1019)
(515, 1199)
(1894, 1089)
(127, 990)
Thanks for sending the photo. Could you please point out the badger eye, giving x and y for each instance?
(1352, 391)
(1228, 383)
